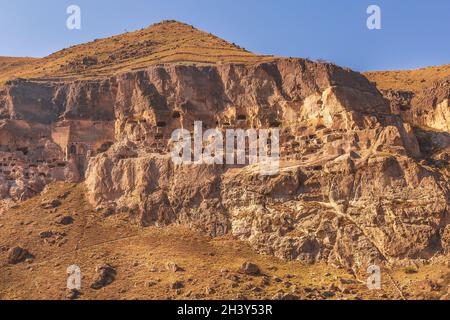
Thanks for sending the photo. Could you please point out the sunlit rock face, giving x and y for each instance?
(427, 108)
(353, 188)
(48, 132)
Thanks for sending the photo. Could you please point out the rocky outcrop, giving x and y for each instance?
(426, 108)
(431, 106)
(354, 213)
(351, 190)
(428, 111)
(47, 102)
(48, 132)
(18, 255)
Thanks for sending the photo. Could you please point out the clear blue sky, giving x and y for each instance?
(415, 32)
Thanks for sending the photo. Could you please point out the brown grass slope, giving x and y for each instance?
(10, 64)
(408, 80)
(165, 42)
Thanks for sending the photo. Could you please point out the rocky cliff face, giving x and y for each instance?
(431, 106)
(48, 102)
(353, 188)
(427, 108)
(48, 131)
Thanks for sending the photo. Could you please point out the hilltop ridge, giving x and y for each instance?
(165, 42)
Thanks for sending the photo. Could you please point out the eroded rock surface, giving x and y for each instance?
(353, 187)
(356, 185)
(426, 108)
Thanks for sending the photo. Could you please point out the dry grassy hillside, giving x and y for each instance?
(168, 41)
(9, 64)
(408, 80)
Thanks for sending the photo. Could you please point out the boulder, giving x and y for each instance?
(177, 285)
(18, 255)
(250, 269)
(106, 275)
(67, 220)
(173, 267)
